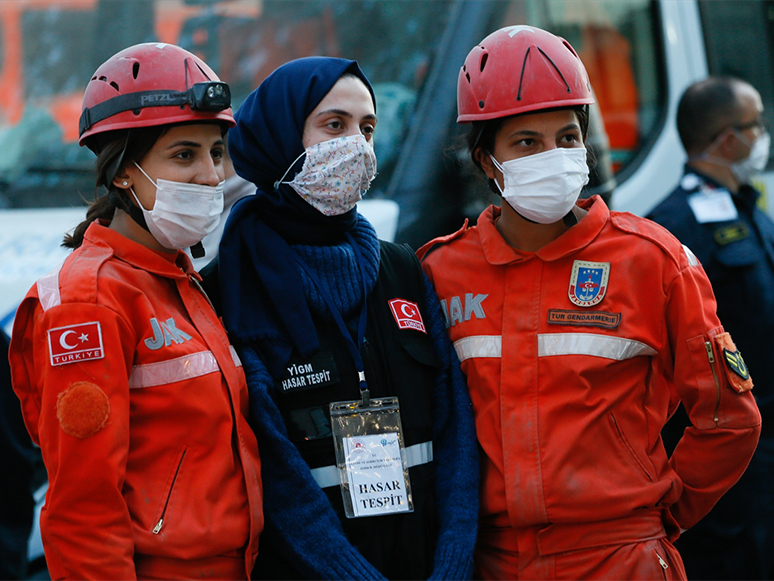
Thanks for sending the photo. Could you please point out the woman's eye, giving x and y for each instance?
(526, 142)
(335, 125)
(185, 154)
(217, 154)
(368, 129)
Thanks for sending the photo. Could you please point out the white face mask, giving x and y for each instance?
(335, 175)
(545, 186)
(755, 162)
(183, 214)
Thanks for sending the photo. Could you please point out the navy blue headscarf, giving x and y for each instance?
(262, 291)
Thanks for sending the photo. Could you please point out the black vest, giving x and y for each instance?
(398, 362)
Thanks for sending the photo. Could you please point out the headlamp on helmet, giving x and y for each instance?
(209, 96)
(152, 84)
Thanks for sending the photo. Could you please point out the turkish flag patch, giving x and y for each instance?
(407, 315)
(75, 343)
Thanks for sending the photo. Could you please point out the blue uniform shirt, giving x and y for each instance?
(735, 245)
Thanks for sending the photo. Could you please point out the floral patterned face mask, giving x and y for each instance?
(335, 175)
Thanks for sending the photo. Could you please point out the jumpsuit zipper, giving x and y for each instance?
(159, 524)
(661, 561)
(711, 358)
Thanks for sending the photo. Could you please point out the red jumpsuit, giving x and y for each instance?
(139, 404)
(575, 356)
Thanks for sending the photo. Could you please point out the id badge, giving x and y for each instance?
(371, 458)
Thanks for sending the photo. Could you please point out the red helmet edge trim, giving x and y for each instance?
(469, 118)
(224, 116)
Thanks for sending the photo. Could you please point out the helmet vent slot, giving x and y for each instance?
(135, 69)
(115, 86)
(561, 76)
(521, 76)
(484, 58)
(206, 76)
(480, 104)
(467, 76)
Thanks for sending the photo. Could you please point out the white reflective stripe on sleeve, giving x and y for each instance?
(416, 455)
(692, 260)
(234, 356)
(173, 370)
(48, 289)
(479, 346)
(591, 344)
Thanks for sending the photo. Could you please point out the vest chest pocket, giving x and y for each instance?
(413, 369)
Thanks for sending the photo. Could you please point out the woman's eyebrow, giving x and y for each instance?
(184, 142)
(335, 111)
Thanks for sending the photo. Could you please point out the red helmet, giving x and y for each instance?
(152, 84)
(518, 69)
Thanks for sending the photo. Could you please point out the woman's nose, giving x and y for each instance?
(212, 173)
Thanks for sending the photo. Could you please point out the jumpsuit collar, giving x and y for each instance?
(498, 252)
(166, 264)
(747, 193)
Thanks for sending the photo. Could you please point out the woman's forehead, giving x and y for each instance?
(349, 94)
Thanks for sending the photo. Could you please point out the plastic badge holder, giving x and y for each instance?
(371, 458)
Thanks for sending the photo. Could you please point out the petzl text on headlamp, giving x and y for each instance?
(208, 96)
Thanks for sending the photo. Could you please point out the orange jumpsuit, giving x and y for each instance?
(575, 356)
(139, 404)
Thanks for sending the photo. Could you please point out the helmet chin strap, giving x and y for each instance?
(116, 200)
(134, 212)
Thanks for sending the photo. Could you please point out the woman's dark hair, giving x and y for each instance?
(137, 142)
(484, 133)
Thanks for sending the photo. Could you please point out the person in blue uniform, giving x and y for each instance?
(714, 211)
(21, 465)
(321, 310)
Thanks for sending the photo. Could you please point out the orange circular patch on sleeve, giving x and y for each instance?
(82, 409)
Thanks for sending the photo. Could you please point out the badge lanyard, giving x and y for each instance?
(367, 434)
(354, 348)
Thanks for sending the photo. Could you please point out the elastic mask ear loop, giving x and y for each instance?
(502, 171)
(707, 156)
(136, 212)
(146, 175)
(279, 181)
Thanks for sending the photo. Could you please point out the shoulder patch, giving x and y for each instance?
(407, 315)
(735, 368)
(75, 343)
(82, 409)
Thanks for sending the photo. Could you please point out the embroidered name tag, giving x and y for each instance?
(75, 343)
(407, 315)
(317, 371)
(584, 318)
